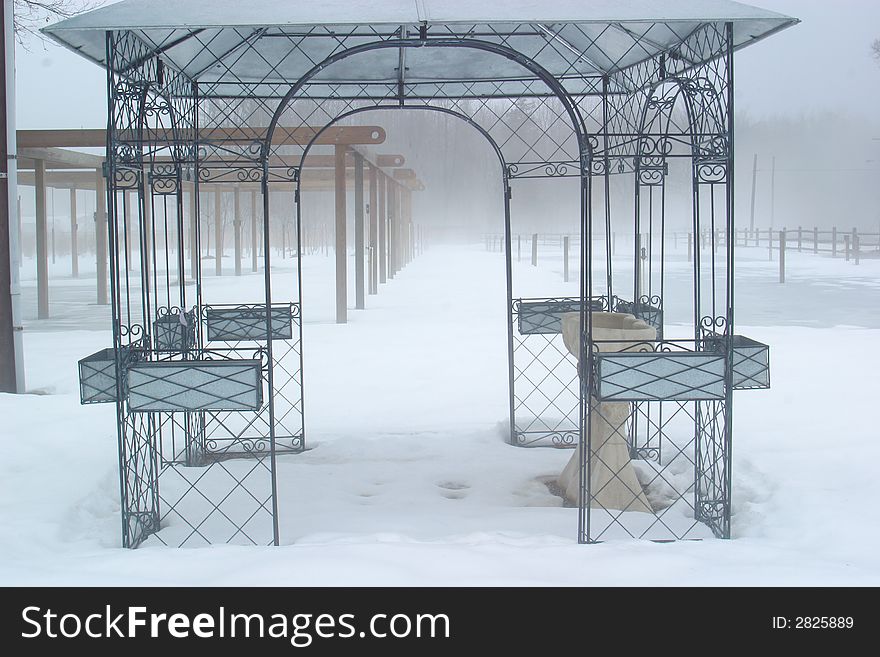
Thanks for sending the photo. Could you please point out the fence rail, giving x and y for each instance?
(851, 245)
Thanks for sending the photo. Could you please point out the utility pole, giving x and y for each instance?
(11, 363)
(772, 191)
(754, 186)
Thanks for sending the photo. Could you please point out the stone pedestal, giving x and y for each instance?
(613, 480)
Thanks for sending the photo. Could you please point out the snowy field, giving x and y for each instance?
(409, 481)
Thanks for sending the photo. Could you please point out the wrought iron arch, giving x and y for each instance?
(558, 90)
(504, 170)
(545, 169)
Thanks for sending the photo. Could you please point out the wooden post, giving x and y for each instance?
(846, 248)
(42, 238)
(410, 229)
(815, 239)
(782, 256)
(74, 246)
(359, 246)
(855, 245)
(218, 231)
(382, 243)
(374, 231)
(195, 247)
(236, 224)
(534, 249)
(565, 245)
(800, 238)
(147, 221)
(834, 241)
(392, 228)
(101, 246)
(341, 241)
(255, 242)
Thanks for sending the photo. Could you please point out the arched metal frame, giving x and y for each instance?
(625, 124)
(393, 102)
(506, 199)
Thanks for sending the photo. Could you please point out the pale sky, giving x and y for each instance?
(822, 64)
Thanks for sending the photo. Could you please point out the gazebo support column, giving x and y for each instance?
(341, 252)
(236, 222)
(374, 232)
(254, 235)
(218, 231)
(359, 231)
(74, 251)
(42, 240)
(382, 220)
(101, 247)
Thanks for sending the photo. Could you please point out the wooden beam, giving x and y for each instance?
(97, 138)
(51, 156)
(313, 180)
(404, 174)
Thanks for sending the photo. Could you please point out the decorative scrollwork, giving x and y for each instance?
(654, 301)
(126, 177)
(714, 325)
(565, 439)
(164, 185)
(131, 331)
(561, 169)
(711, 173)
(650, 146)
(125, 152)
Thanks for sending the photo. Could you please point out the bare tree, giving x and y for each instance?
(31, 15)
(875, 49)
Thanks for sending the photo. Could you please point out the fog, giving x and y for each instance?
(806, 97)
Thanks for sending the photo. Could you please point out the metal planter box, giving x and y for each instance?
(751, 361)
(97, 377)
(97, 373)
(651, 315)
(195, 385)
(248, 323)
(175, 331)
(545, 316)
(659, 376)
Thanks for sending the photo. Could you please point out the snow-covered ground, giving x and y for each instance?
(409, 481)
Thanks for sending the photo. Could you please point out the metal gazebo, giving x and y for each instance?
(209, 395)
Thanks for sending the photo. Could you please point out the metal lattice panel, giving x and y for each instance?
(195, 385)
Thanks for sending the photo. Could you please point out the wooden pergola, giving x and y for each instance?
(45, 160)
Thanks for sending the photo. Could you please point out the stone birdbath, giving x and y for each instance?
(613, 480)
